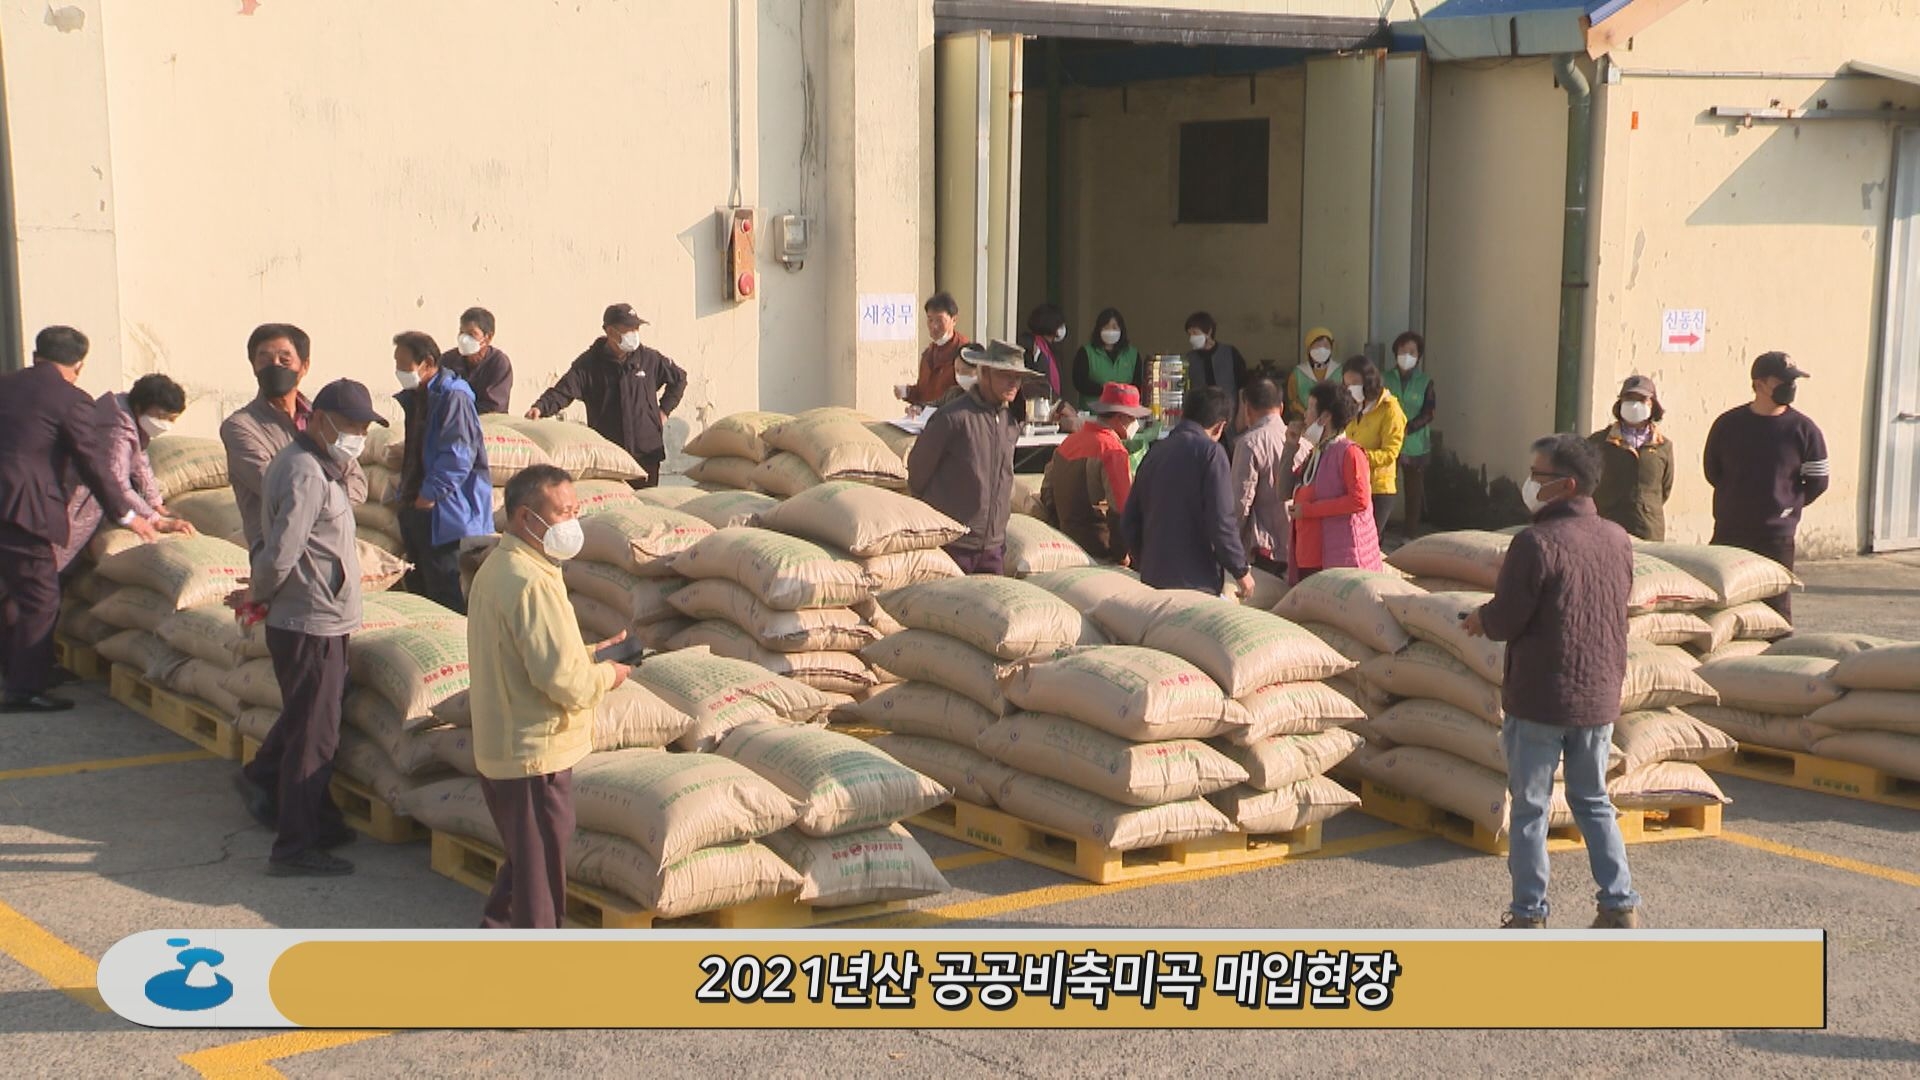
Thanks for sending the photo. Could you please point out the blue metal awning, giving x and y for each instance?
(1477, 29)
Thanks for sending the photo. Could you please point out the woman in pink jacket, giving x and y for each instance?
(128, 422)
(1332, 505)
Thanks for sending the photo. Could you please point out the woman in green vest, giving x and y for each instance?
(1107, 357)
(1408, 380)
(1314, 368)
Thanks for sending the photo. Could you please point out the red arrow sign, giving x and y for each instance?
(1687, 339)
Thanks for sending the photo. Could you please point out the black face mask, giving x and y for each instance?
(276, 381)
(1783, 394)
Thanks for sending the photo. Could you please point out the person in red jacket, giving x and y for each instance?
(1085, 489)
(1332, 505)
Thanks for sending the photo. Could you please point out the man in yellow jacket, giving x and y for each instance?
(535, 685)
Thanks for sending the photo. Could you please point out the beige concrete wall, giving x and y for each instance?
(1777, 230)
(1122, 246)
(1336, 230)
(1496, 172)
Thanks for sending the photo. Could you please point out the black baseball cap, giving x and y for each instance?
(1775, 365)
(622, 315)
(344, 397)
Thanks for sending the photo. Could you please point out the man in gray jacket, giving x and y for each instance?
(962, 464)
(306, 574)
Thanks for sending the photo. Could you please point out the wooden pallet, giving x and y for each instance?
(1810, 772)
(474, 863)
(82, 659)
(190, 718)
(1636, 826)
(365, 811)
(1091, 860)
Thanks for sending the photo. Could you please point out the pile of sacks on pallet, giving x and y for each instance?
(712, 786)
(784, 455)
(1432, 692)
(1841, 696)
(1155, 718)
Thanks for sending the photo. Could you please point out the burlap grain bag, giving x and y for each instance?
(1751, 621)
(721, 876)
(1425, 670)
(112, 540)
(412, 667)
(1035, 547)
(1302, 708)
(378, 719)
(784, 572)
(739, 435)
(1664, 785)
(255, 723)
(1658, 585)
(811, 630)
(1889, 667)
(782, 474)
(189, 571)
(580, 451)
(380, 570)
(454, 806)
(729, 509)
(1284, 760)
(841, 783)
(1474, 792)
(863, 867)
(1308, 802)
(155, 660)
(1660, 677)
(253, 682)
(1344, 643)
(899, 441)
(1655, 735)
(640, 538)
(1439, 584)
(182, 464)
(130, 607)
(1746, 727)
(862, 520)
(1006, 618)
(971, 775)
(720, 694)
(1440, 726)
(362, 759)
(1670, 628)
(735, 473)
(1130, 692)
(1119, 827)
(637, 599)
(840, 672)
(213, 512)
(207, 681)
(1470, 555)
(675, 804)
(597, 621)
(209, 633)
(1733, 649)
(1242, 649)
(1134, 773)
(1786, 685)
(509, 450)
(386, 447)
(1127, 615)
(1890, 752)
(1831, 646)
(670, 496)
(453, 747)
(1733, 574)
(1872, 710)
(927, 710)
(1352, 601)
(927, 657)
(391, 544)
(380, 519)
(898, 571)
(1085, 587)
(836, 445)
(1441, 619)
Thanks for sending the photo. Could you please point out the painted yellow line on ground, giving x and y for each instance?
(1838, 862)
(968, 858)
(103, 764)
(990, 906)
(248, 1060)
(66, 968)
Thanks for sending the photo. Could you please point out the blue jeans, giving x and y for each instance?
(1533, 751)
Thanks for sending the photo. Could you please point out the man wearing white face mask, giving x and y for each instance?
(484, 365)
(535, 686)
(446, 485)
(944, 342)
(629, 390)
(306, 572)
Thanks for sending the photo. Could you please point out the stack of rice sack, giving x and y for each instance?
(1830, 699)
(1035, 547)
(155, 583)
(1737, 622)
(785, 455)
(747, 805)
(623, 576)
(731, 450)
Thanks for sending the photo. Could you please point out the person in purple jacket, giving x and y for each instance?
(1561, 607)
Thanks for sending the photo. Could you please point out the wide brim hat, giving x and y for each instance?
(999, 355)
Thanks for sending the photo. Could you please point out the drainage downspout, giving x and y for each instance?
(1573, 242)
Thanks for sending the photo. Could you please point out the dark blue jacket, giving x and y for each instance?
(454, 472)
(1181, 522)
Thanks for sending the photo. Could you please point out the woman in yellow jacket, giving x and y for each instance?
(1380, 429)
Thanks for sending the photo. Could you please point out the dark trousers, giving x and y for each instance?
(535, 817)
(1775, 546)
(436, 570)
(295, 763)
(1382, 510)
(991, 560)
(1413, 483)
(651, 462)
(31, 609)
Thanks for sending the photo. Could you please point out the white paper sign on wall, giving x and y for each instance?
(887, 317)
(1683, 330)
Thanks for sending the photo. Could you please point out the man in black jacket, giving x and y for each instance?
(46, 423)
(1182, 521)
(1767, 461)
(628, 388)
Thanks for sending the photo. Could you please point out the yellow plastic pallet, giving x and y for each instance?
(1090, 860)
(1636, 826)
(1810, 772)
(190, 718)
(82, 659)
(474, 863)
(364, 810)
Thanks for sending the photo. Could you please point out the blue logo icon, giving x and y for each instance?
(195, 985)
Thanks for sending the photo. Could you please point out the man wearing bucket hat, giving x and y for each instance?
(1766, 461)
(1085, 488)
(962, 464)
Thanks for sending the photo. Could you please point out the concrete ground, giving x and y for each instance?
(88, 857)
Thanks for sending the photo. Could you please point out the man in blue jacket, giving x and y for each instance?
(446, 490)
(1182, 521)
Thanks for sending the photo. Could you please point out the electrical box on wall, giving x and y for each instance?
(791, 239)
(737, 242)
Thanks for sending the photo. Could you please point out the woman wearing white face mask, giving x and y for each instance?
(1044, 341)
(128, 422)
(1314, 368)
(1637, 474)
(484, 365)
(1410, 385)
(1107, 357)
(1211, 363)
(1379, 428)
(1331, 509)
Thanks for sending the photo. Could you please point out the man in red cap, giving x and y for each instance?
(1085, 488)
